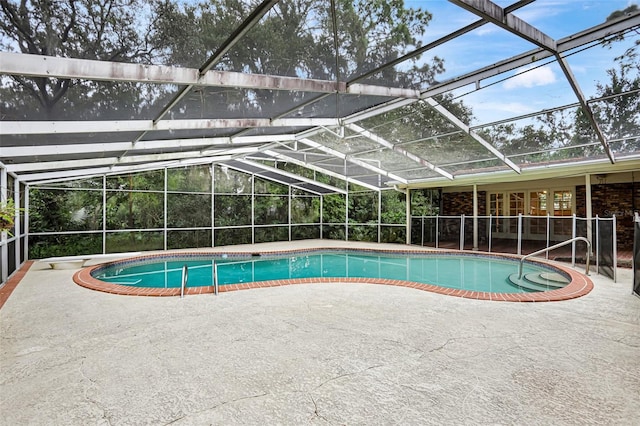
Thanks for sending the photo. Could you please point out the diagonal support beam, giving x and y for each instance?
(284, 157)
(292, 176)
(352, 160)
(231, 41)
(495, 14)
(585, 107)
(422, 161)
(462, 126)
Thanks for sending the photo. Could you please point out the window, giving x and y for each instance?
(516, 206)
(537, 207)
(496, 208)
(562, 205)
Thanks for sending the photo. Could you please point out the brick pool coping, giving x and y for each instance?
(579, 283)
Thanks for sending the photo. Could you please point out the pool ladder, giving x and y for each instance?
(564, 243)
(185, 278)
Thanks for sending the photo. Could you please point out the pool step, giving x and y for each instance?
(539, 281)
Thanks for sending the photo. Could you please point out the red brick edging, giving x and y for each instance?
(12, 283)
(579, 285)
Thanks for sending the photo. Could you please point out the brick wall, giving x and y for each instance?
(457, 203)
(619, 199)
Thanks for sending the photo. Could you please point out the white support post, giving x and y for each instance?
(597, 244)
(321, 218)
(104, 214)
(437, 229)
(18, 235)
(289, 212)
(253, 208)
(519, 234)
(475, 217)
(4, 246)
(212, 169)
(408, 217)
(379, 216)
(573, 245)
(615, 249)
(589, 207)
(166, 196)
(462, 232)
(490, 230)
(546, 254)
(26, 222)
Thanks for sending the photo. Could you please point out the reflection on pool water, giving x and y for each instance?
(481, 273)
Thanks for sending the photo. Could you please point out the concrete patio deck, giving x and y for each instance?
(332, 354)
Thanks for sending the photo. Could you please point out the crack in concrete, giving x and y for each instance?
(353, 373)
(315, 410)
(94, 385)
(214, 407)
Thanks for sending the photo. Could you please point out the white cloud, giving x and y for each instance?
(531, 77)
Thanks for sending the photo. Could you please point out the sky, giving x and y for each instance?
(531, 88)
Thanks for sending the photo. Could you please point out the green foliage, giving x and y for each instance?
(425, 202)
(188, 210)
(188, 239)
(299, 232)
(122, 242)
(42, 246)
(7, 215)
(363, 207)
(305, 209)
(393, 207)
(333, 208)
(189, 179)
(271, 210)
(232, 210)
(111, 30)
(135, 210)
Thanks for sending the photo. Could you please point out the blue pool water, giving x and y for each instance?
(467, 272)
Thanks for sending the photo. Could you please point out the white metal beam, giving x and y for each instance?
(462, 126)
(88, 148)
(292, 176)
(413, 157)
(71, 68)
(586, 108)
(322, 170)
(495, 14)
(475, 77)
(115, 161)
(68, 127)
(352, 159)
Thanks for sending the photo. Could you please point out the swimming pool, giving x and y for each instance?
(460, 274)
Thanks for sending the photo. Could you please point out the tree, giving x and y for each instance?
(296, 38)
(108, 30)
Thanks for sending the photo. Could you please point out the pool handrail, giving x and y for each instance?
(185, 277)
(215, 278)
(555, 246)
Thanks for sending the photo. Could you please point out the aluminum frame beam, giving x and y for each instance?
(292, 176)
(462, 126)
(88, 148)
(71, 127)
(115, 161)
(352, 160)
(85, 69)
(422, 161)
(495, 14)
(284, 157)
(565, 44)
